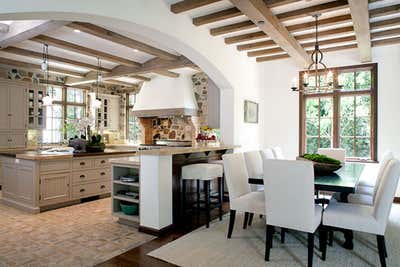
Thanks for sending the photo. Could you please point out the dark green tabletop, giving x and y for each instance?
(343, 180)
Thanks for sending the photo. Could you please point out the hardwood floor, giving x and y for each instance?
(138, 256)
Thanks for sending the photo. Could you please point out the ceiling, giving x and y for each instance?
(287, 25)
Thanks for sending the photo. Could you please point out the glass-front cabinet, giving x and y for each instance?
(36, 110)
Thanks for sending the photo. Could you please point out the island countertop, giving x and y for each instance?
(186, 150)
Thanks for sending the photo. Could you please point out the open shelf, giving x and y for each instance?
(125, 183)
(120, 214)
(126, 198)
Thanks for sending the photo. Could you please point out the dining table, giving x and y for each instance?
(342, 181)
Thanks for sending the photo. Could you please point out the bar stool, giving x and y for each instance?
(205, 172)
(225, 194)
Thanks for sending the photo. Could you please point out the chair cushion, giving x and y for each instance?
(353, 217)
(202, 171)
(365, 190)
(253, 202)
(361, 199)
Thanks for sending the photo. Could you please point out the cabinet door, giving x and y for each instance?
(113, 113)
(25, 185)
(18, 108)
(17, 139)
(9, 188)
(4, 139)
(54, 188)
(4, 112)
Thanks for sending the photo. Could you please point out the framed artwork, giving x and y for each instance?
(250, 111)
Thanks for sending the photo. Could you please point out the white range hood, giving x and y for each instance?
(165, 97)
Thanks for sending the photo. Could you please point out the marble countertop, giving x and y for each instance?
(186, 150)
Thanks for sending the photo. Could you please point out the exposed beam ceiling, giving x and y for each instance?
(384, 23)
(384, 11)
(387, 33)
(34, 54)
(386, 41)
(140, 77)
(120, 83)
(322, 22)
(37, 68)
(244, 25)
(360, 16)
(24, 30)
(276, 3)
(167, 73)
(84, 50)
(121, 39)
(151, 65)
(186, 5)
(217, 16)
(257, 11)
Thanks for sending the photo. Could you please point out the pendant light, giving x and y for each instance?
(47, 100)
(317, 70)
(97, 102)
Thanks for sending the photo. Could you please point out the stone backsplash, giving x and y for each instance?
(175, 128)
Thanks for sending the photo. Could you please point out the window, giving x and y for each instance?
(133, 129)
(68, 104)
(344, 118)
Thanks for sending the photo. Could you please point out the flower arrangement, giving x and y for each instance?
(206, 134)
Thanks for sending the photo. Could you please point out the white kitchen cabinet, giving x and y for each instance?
(36, 110)
(13, 139)
(4, 113)
(4, 139)
(108, 113)
(54, 188)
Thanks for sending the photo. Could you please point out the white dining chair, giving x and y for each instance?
(336, 153)
(278, 153)
(365, 194)
(289, 198)
(363, 218)
(241, 199)
(267, 153)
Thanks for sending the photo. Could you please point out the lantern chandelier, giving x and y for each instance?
(47, 99)
(317, 77)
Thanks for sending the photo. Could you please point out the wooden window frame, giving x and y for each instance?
(373, 92)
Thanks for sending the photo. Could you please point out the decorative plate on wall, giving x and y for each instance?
(250, 111)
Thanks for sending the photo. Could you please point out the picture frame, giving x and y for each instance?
(250, 111)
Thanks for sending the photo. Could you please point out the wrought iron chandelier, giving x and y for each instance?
(317, 77)
(99, 78)
(47, 100)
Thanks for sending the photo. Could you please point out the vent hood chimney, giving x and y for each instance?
(166, 97)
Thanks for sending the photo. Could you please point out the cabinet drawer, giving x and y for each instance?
(84, 190)
(80, 164)
(98, 163)
(90, 175)
(52, 166)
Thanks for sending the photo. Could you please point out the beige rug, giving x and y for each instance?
(80, 235)
(210, 247)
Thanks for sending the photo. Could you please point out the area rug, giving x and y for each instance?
(210, 247)
(79, 235)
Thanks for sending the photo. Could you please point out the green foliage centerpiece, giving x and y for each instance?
(95, 144)
(322, 163)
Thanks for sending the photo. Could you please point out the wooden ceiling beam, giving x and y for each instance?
(256, 45)
(387, 33)
(37, 55)
(360, 16)
(167, 73)
(322, 22)
(217, 16)
(384, 23)
(388, 41)
(22, 30)
(120, 83)
(187, 5)
(256, 10)
(276, 3)
(121, 39)
(83, 50)
(37, 68)
(140, 77)
(245, 37)
(304, 12)
(384, 11)
(343, 30)
(240, 26)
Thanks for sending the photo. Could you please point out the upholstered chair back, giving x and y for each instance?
(386, 192)
(236, 175)
(386, 158)
(267, 153)
(289, 194)
(254, 163)
(336, 153)
(278, 153)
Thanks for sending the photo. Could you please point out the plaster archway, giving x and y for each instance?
(140, 27)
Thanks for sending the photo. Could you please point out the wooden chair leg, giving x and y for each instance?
(268, 241)
(220, 196)
(251, 218)
(261, 216)
(207, 193)
(310, 249)
(381, 248)
(232, 216)
(184, 200)
(323, 236)
(246, 220)
(330, 242)
(198, 199)
(283, 231)
(384, 246)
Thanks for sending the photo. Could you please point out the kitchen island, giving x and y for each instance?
(35, 181)
(160, 183)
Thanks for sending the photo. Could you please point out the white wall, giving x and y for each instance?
(165, 92)
(282, 106)
(213, 97)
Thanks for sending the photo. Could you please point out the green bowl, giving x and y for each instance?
(129, 208)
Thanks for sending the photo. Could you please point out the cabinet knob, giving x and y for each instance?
(82, 190)
(102, 173)
(82, 176)
(103, 161)
(82, 163)
(102, 187)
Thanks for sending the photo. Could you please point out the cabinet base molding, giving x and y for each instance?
(156, 232)
(18, 205)
(72, 202)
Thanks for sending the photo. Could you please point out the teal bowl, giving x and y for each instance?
(129, 208)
